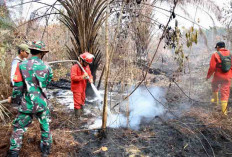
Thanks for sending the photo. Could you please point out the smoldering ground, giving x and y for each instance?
(140, 106)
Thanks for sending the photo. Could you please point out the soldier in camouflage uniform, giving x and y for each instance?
(30, 93)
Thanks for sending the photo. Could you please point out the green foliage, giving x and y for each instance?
(5, 22)
(191, 36)
(179, 49)
(3, 11)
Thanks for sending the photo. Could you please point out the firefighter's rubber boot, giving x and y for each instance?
(82, 109)
(83, 118)
(13, 153)
(215, 98)
(45, 150)
(77, 112)
(224, 107)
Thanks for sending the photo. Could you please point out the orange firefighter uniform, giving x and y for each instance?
(220, 77)
(78, 84)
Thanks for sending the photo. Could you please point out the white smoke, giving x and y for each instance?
(142, 106)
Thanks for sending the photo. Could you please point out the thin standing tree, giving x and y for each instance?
(104, 117)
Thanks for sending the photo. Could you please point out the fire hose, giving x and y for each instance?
(70, 61)
(53, 62)
(4, 101)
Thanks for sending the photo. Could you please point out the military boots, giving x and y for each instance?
(45, 150)
(13, 153)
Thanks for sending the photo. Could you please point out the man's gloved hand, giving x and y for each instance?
(85, 76)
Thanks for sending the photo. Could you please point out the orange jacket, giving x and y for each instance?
(215, 67)
(17, 76)
(78, 84)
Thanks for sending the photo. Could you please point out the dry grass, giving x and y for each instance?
(214, 120)
(63, 141)
(60, 71)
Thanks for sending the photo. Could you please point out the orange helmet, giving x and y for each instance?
(87, 57)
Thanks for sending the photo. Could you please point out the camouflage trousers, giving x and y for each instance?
(22, 121)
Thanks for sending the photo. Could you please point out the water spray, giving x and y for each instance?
(92, 85)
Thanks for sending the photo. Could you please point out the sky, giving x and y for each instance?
(203, 19)
(28, 8)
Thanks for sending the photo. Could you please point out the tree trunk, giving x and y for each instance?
(104, 117)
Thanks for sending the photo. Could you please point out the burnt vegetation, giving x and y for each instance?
(143, 51)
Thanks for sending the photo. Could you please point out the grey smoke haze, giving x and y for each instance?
(141, 105)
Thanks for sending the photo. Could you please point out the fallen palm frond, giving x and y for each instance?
(3, 111)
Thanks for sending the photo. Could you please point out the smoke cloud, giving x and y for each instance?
(142, 107)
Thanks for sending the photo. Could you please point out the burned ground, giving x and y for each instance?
(189, 128)
(193, 129)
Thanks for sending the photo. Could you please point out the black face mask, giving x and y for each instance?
(85, 64)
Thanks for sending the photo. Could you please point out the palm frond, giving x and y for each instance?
(84, 18)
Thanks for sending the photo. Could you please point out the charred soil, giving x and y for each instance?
(191, 129)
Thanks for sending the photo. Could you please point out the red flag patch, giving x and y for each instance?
(18, 76)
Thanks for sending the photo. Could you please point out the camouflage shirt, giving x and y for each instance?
(30, 92)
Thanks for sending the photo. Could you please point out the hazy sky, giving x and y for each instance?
(201, 16)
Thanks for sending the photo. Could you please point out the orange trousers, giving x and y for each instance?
(79, 99)
(224, 86)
